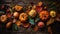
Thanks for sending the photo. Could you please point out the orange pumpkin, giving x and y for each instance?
(8, 24)
(3, 18)
(44, 15)
(18, 23)
(16, 14)
(18, 8)
(26, 25)
(23, 17)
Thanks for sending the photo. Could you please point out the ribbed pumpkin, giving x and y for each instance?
(18, 8)
(44, 15)
(3, 18)
(52, 13)
(23, 17)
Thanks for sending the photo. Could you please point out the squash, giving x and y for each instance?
(18, 23)
(8, 25)
(32, 13)
(3, 18)
(18, 8)
(16, 14)
(44, 15)
(52, 13)
(23, 17)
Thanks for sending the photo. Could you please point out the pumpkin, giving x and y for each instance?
(9, 15)
(26, 25)
(18, 8)
(18, 23)
(40, 3)
(34, 7)
(36, 28)
(8, 25)
(3, 18)
(23, 17)
(16, 14)
(32, 13)
(52, 13)
(44, 15)
(40, 24)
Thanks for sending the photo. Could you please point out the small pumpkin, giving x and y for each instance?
(36, 28)
(52, 13)
(3, 18)
(23, 17)
(26, 25)
(44, 15)
(32, 13)
(18, 8)
(16, 14)
(18, 23)
(40, 24)
(8, 25)
(40, 3)
(9, 15)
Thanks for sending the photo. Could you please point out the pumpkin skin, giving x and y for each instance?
(18, 8)
(44, 15)
(40, 24)
(52, 13)
(32, 13)
(23, 17)
(18, 23)
(16, 14)
(8, 24)
(3, 18)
